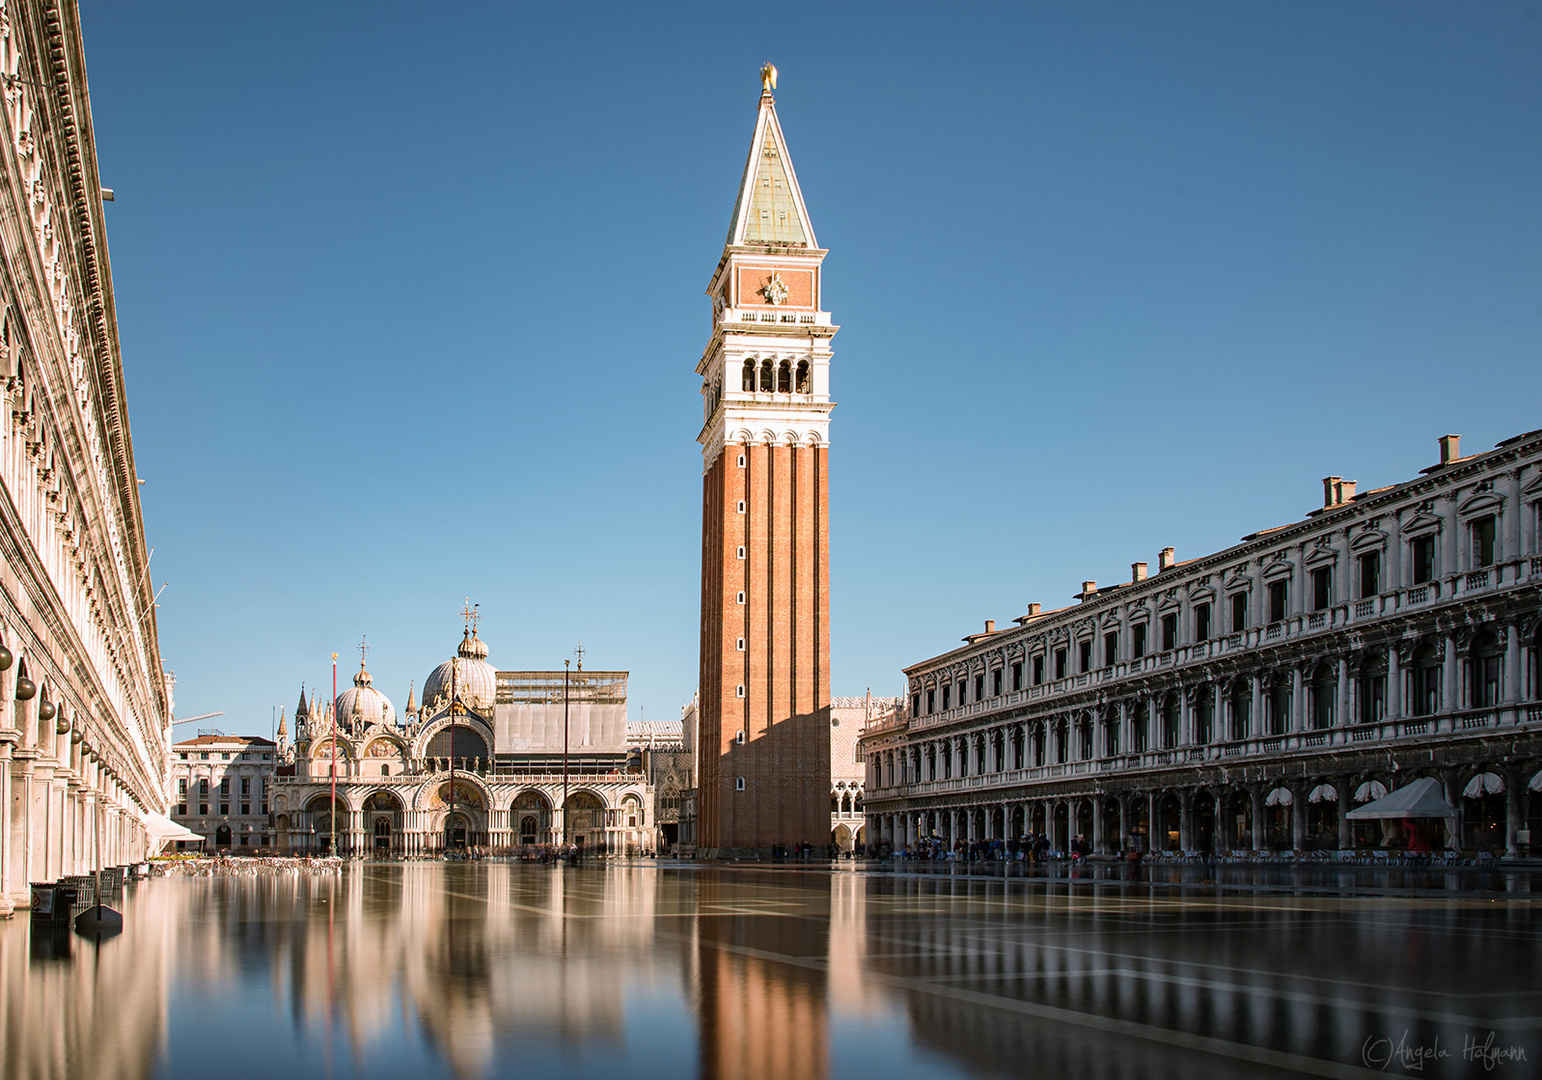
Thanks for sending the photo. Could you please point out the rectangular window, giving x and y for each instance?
(979, 688)
(1110, 649)
(1038, 670)
(1239, 612)
(246, 785)
(996, 683)
(203, 787)
(1322, 588)
(246, 808)
(1202, 622)
(225, 786)
(224, 808)
(1017, 676)
(1370, 574)
(1483, 542)
(931, 701)
(1169, 632)
(947, 696)
(1086, 655)
(1276, 601)
(1060, 663)
(1138, 640)
(915, 704)
(182, 809)
(203, 809)
(1423, 552)
(182, 786)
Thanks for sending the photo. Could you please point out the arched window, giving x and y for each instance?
(1084, 738)
(1037, 736)
(1019, 750)
(1241, 710)
(1483, 671)
(803, 384)
(1371, 691)
(1278, 704)
(767, 377)
(1204, 716)
(1111, 734)
(1062, 740)
(1324, 692)
(1172, 718)
(749, 376)
(784, 377)
(1426, 681)
(1140, 727)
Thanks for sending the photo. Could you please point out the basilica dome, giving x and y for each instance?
(477, 682)
(362, 703)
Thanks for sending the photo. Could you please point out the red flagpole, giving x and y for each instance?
(332, 837)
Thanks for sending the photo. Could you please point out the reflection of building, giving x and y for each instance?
(759, 1017)
(221, 784)
(73, 1011)
(765, 607)
(1252, 697)
(501, 737)
(85, 708)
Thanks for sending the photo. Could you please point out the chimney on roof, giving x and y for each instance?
(1450, 448)
(990, 626)
(1034, 609)
(1089, 590)
(1137, 571)
(1166, 560)
(1336, 491)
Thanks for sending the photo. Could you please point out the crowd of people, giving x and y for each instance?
(1033, 849)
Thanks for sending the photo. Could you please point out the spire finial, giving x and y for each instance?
(579, 652)
(363, 649)
(470, 615)
(767, 78)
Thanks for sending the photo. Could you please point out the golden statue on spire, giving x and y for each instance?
(768, 77)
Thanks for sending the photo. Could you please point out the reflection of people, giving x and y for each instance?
(1417, 844)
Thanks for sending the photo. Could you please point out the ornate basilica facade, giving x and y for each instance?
(478, 764)
(1252, 698)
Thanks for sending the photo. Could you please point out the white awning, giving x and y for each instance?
(1536, 783)
(162, 830)
(1323, 793)
(1279, 797)
(1485, 783)
(1419, 798)
(1371, 789)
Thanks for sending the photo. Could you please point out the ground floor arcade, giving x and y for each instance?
(1499, 810)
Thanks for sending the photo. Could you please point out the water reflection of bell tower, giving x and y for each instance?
(765, 593)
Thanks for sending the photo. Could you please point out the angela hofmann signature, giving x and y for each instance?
(1383, 1053)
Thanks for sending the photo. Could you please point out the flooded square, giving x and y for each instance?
(640, 969)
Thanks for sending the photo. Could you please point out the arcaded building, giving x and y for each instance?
(1250, 699)
(85, 707)
(764, 762)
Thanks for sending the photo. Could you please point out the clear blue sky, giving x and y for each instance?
(411, 298)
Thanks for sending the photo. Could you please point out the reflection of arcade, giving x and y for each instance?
(1249, 973)
(759, 1019)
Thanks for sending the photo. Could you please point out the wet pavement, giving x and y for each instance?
(910, 970)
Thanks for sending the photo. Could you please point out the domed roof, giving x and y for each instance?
(363, 703)
(476, 682)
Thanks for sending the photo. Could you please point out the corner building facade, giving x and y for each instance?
(765, 593)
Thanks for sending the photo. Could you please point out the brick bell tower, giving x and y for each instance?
(765, 534)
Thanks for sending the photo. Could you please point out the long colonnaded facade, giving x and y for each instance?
(764, 751)
(489, 776)
(1250, 699)
(85, 707)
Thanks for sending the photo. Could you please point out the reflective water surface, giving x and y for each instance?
(498, 969)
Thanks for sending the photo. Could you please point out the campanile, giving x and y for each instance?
(764, 765)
